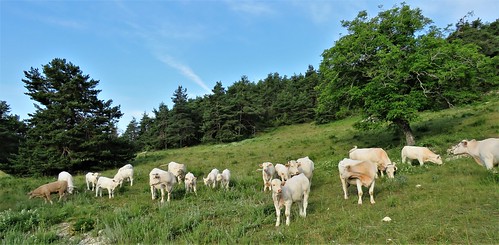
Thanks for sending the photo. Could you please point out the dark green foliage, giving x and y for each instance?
(12, 132)
(484, 35)
(71, 128)
(394, 65)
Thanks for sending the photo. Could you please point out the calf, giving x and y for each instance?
(224, 179)
(374, 155)
(178, 170)
(106, 183)
(190, 183)
(44, 191)
(211, 179)
(268, 172)
(301, 165)
(282, 171)
(67, 177)
(163, 180)
(422, 154)
(296, 189)
(91, 179)
(361, 173)
(485, 152)
(124, 173)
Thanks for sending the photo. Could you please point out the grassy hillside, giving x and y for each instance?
(455, 203)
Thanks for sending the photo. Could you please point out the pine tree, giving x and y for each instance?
(71, 128)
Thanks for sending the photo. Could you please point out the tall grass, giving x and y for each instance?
(453, 203)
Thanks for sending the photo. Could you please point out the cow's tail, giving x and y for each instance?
(353, 149)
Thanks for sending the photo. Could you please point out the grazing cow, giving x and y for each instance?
(163, 180)
(178, 169)
(268, 172)
(106, 183)
(422, 154)
(390, 171)
(224, 179)
(124, 173)
(485, 152)
(296, 189)
(375, 155)
(44, 191)
(67, 177)
(190, 183)
(302, 165)
(282, 171)
(91, 179)
(361, 173)
(211, 179)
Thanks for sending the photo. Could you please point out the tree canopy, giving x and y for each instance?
(395, 64)
(71, 128)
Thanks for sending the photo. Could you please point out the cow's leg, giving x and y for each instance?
(421, 161)
(344, 185)
(288, 212)
(487, 161)
(277, 214)
(359, 190)
(131, 181)
(403, 158)
(371, 192)
(162, 194)
(153, 192)
(169, 189)
(305, 203)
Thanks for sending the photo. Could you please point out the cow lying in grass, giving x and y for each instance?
(44, 191)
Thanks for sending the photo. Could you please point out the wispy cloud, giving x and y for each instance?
(184, 70)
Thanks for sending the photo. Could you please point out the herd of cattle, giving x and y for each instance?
(288, 183)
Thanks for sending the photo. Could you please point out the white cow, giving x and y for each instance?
(296, 189)
(301, 165)
(485, 152)
(68, 178)
(163, 180)
(224, 179)
(91, 179)
(390, 171)
(178, 169)
(125, 173)
(375, 155)
(282, 171)
(106, 183)
(422, 154)
(360, 173)
(190, 183)
(268, 172)
(211, 179)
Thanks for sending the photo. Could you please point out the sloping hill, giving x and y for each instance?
(453, 203)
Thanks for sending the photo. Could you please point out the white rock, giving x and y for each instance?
(387, 219)
(417, 186)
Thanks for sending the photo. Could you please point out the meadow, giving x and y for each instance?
(455, 203)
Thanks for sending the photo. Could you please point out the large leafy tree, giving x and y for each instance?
(485, 35)
(395, 64)
(71, 128)
(12, 133)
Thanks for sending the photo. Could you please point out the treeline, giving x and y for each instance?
(228, 114)
(387, 69)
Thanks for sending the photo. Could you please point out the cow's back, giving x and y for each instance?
(296, 186)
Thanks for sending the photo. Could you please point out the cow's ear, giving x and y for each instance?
(299, 164)
(287, 164)
(465, 143)
(261, 165)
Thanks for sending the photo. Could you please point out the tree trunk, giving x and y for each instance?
(406, 128)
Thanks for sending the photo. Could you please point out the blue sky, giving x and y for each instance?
(141, 51)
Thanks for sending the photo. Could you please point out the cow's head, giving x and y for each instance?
(276, 186)
(293, 168)
(390, 171)
(437, 159)
(461, 148)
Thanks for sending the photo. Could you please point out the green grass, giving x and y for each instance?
(456, 203)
